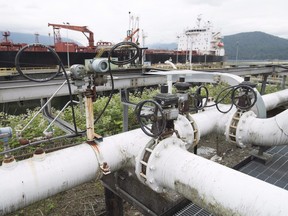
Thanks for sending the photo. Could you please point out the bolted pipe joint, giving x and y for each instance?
(146, 163)
(262, 132)
(216, 188)
(184, 137)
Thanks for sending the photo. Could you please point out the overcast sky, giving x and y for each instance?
(161, 20)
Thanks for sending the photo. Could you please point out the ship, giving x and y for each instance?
(38, 56)
(201, 44)
(69, 53)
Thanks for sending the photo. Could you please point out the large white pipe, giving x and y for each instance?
(221, 190)
(211, 120)
(25, 182)
(250, 129)
(263, 132)
(37, 178)
(275, 99)
(173, 167)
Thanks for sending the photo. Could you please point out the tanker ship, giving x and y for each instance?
(36, 56)
(201, 44)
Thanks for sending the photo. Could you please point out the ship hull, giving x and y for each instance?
(46, 59)
(41, 59)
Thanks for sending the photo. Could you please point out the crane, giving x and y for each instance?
(133, 28)
(82, 29)
(131, 34)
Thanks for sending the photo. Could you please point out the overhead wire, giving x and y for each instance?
(61, 67)
(231, 90)
(126, 44)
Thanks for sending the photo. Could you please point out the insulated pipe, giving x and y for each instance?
(211, 120)
(169, 166)
(275, 99)
(263, 132)
(220, 190)
(25, 182)
(250, 129)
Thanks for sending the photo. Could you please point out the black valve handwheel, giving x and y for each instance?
(244, 97)
(151, 118)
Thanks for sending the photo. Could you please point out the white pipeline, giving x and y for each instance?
(221, 190)
(212, 120)
(211, 185)
(270, 131)
(263, 132)
(37, 178)
(218, 188)
(25, 182)
(249, 131)
(275, 99)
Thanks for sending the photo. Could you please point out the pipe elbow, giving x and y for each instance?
(262, 132)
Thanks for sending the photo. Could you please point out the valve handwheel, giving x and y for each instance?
(151, 118)
(244, 97)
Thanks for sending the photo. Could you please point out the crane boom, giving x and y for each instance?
(82, 29)
(130, 36)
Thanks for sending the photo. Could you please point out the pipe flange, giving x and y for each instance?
(234, 130)
(242, 127)
(231, 129)
(142, 159)
(9, 163)
(155, 155)
(185, 131)
(196, 132)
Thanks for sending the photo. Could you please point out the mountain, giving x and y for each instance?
(17, 37)
(255, 46)
(251, 46)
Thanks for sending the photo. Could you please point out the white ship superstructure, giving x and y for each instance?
(202, 40)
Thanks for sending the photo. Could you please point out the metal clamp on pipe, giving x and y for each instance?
(103, 165)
